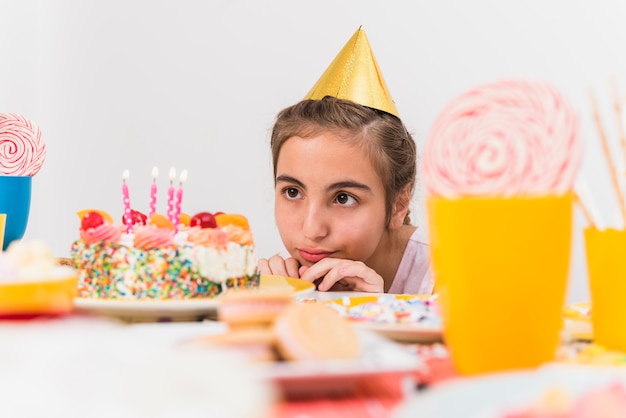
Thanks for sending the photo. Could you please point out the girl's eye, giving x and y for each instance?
(345, 199)
(291, 193)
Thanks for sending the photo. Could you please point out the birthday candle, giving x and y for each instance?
(179, 198)
(153, 191)
(170, 196)
(128, 220)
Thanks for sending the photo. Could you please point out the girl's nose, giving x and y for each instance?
(315, 226)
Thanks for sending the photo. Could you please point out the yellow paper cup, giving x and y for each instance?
(501, 268)
(606, 267)
(3, 222)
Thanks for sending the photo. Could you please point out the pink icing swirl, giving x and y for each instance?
(148, 237)
(22, 150)
(239, 235)
(508, 138)
(104, 232)
(208, 237)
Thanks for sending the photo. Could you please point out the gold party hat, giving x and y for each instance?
(354, 75)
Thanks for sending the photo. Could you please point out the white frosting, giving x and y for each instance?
(30, 261)
(220, 265)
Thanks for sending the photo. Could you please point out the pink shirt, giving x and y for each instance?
(414, 273)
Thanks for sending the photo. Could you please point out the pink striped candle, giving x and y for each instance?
(170, 196)
(153, 192)
(128, 220)
(179, 198)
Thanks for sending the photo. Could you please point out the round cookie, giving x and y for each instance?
(254, 343)
(311, 331)
(252, 307)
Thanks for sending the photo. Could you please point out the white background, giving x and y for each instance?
(124, 84)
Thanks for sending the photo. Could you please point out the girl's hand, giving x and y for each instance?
(341, 274)
(279, 266)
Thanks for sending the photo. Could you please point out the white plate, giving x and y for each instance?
(379, 358)
(491, 396)
(179, 310)
(411, 332)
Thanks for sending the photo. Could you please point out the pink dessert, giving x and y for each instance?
(605, 402)
(508, 138)
(22, 150)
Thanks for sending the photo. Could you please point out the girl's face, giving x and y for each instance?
(329, 200)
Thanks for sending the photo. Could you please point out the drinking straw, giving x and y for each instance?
(586, 212)
(617, 107)
(588, 205)
(607, 154)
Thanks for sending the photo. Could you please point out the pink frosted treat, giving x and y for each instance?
(22, 150)
(508, 138)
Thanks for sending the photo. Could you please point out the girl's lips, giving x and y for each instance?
(313, 256)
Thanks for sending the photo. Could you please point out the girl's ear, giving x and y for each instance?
(400, 208)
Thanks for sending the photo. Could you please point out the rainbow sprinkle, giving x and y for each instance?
(391, 309)
(109, 270)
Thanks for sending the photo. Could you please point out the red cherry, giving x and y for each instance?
(91, 220)
(203, 220)
(136, 217)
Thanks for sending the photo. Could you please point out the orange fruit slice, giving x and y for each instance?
(235, 219)
(161, 221)
(185, 219)
(107, 218)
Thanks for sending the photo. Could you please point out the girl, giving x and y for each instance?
(344, 178)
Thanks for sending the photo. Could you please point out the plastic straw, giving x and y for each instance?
(617, 107)
(588, 205)
(607, 154)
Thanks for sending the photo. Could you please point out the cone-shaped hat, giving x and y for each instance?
(354, 75)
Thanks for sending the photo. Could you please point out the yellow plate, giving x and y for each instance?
(404, 332)
(55, 296)
(133, 310)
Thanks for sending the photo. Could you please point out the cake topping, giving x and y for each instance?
(102, 232)
(148, 237)
(97, 225)
(91, 220)
(208, 237)
(203, 220)
(161, 221)
(81, 214)
(136, 218)
(235, 219)
(22, 150)
(506, 138)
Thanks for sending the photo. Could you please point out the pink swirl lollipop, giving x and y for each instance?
(22, 150)
(508, 138)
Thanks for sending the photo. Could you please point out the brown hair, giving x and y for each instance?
(384, 138)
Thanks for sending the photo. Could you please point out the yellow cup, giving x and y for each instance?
(606, 267)
(3, 222)
(501, 268)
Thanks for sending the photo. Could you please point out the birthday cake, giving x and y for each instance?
(158, 257)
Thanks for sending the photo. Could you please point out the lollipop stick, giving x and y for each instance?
(607, 154)
(617, 107)
(586, 212)
(585, 200)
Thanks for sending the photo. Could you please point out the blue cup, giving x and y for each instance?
(15, 192)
